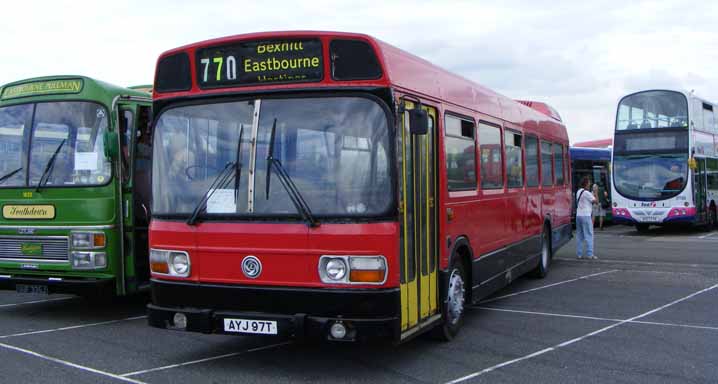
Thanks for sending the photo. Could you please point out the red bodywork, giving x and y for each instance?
(489, 219)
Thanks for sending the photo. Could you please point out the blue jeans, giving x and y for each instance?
(584, 232)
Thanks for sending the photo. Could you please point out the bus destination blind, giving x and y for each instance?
(260, 62)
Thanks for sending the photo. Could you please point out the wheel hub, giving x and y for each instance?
(455, 297)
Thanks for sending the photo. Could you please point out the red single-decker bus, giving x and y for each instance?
(329, 185)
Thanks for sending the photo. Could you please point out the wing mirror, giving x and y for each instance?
(418, 121)
(110, 143)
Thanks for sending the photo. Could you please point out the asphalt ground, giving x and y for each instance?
(645, 312)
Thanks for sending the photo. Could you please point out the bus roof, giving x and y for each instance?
(63, 87)
(399, 69)
(582, 153)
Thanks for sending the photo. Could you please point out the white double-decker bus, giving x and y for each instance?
(665, 160)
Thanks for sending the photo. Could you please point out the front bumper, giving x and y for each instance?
(300, 313)
(75, 286)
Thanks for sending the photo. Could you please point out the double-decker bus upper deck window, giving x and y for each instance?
(13, 120)
(490, 150)
(709, 121)
(514, 163)
(173, 73)
(558, 163)
(652, 109)
(532, 161)
(353, 60)
(546, 164)
(460, 153)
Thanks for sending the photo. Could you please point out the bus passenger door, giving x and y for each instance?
(699, 189)
(135, 168)
(419, 256)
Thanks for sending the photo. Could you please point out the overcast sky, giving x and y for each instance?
(580, 57)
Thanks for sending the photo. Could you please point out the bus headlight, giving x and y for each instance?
(179, 263)
(88, 240)
(172, 263)
(88, 260)
(335, 270)
(352, 269)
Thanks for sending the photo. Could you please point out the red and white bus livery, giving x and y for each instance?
(665, 160)
(329, 185)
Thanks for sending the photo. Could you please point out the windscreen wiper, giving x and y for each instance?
(238, 166)
(219, 182)
(294, 195)
(49, 167)
(9, 175)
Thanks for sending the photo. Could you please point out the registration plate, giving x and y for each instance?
(262, 327)
(27, 288)
(650, 219)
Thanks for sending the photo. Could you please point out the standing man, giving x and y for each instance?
(585, 200)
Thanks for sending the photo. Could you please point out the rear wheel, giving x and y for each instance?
(454, 304)
(643, 228)
(544, 263)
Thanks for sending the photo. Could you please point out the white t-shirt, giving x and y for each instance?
(585, 205)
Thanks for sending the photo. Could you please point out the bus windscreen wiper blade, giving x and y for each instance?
(238, 166)
(294, 195)
(49, 167)
(9, 175)
(219, 182)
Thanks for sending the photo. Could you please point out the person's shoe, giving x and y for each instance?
(593, 257)
(579, 257)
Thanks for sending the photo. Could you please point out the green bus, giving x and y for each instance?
(74, 186)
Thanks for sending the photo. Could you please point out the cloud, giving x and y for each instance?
(579, 57)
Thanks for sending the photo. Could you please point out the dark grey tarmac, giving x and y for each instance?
(571, 327)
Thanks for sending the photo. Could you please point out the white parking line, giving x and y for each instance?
(35, 301)
(599, 318)
(546, 286)
(708, 235)
(631, 262)
(204, 360)
(575, 340)
(69, 364)
(72, 327)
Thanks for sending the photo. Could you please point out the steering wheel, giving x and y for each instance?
(187, 173)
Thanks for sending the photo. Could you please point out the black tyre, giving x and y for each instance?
(544, 263)
(643, 228)
(453, 305)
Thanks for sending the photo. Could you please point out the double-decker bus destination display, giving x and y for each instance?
(257, 62)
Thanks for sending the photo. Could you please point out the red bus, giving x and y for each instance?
(301, 189)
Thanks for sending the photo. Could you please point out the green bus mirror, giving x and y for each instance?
(109, 141)
(418, 121)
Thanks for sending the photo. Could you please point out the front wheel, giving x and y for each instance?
(454, 303)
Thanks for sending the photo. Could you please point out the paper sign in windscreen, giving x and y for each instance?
(222, 201)
(85, 161)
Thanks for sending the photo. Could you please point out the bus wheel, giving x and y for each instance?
(454, 304)
(541, 269)
(643, 228)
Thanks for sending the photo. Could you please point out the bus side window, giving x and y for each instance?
(460, 150)
(490, 150)
(514, 163)
(558, 163)
(126, 129)
(532, 160)
(546, 166)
